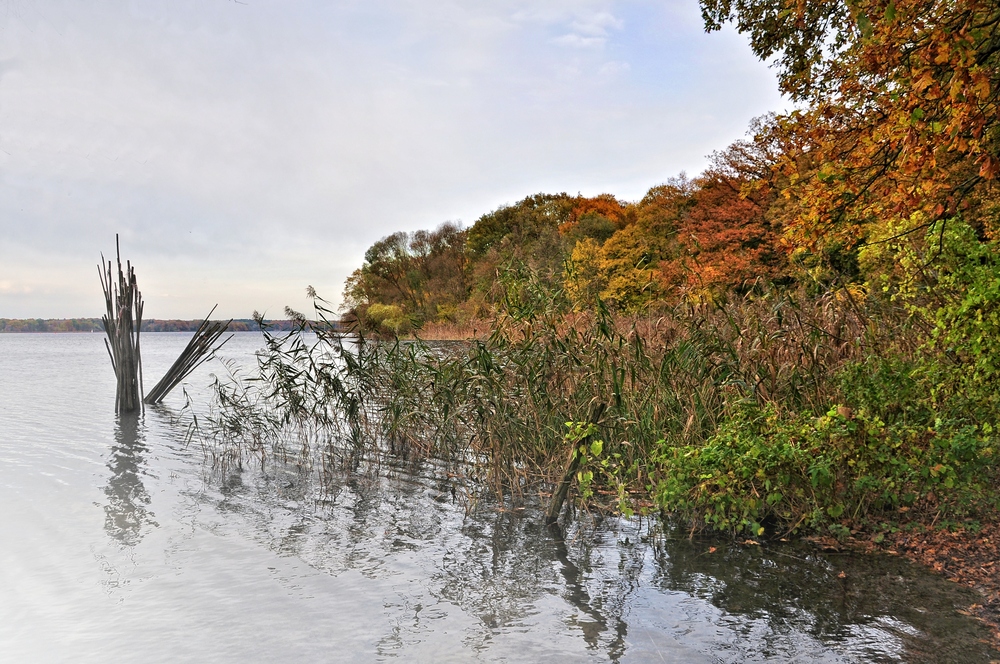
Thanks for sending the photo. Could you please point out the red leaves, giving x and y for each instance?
(725, 239)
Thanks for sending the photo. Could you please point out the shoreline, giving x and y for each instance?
(89, 325)
(970, 559)
(968, 555)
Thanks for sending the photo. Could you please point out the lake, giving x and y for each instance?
(120, 543)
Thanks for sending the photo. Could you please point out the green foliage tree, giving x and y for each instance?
(527, 233)
(408, 279)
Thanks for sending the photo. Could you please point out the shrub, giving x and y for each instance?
(834, 470)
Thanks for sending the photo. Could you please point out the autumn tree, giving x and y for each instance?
(635, 266)
(894, 157)
(597, 217)
(522, 236)
(728, 238)
(899, 117)
(524, 229)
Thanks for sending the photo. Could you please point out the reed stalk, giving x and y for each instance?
(122, 324)
(201, 348)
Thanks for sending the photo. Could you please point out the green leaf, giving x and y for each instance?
(864, 25)
(596, 447)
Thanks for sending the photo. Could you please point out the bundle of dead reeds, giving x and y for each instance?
(201, 348)
(122, 322)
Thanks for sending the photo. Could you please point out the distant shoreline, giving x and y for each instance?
(18, 325)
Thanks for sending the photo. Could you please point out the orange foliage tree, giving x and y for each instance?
(728, 238)
(597, 217)
(900, 110)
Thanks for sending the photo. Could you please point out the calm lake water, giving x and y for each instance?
(119, 544)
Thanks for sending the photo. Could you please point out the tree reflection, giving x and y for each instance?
(833, 597)
(127, 514)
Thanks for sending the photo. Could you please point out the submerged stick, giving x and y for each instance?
(572, 466)
(199, 349)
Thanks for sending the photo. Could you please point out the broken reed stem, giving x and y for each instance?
(572, 466)
(199, 349)
(122, 323)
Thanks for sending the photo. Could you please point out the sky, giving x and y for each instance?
(245, 150)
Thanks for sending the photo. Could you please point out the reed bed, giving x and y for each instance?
(448, 331)
(504, 402)
(201, 348)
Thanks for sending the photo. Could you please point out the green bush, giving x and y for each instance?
(796, 471)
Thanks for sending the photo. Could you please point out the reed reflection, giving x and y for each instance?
(627, 590)
(577, 594)
(127, 516)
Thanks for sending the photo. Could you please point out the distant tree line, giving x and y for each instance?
(51, 325)
(152, 325)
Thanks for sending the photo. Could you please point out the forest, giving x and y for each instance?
(800, 339)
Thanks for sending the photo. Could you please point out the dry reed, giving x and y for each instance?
(199, 349)
(122, 323)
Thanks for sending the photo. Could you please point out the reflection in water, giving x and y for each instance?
(872, 605)
(127, 514)
(267, 566)
(576, 594)
(626, 591)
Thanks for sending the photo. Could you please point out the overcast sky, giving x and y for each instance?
(245, 150)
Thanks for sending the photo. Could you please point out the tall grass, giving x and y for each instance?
(503, 402)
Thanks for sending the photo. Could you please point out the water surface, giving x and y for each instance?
(120, 544)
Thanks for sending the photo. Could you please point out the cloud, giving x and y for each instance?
(597, 24)
(580, 41)
(574, 26)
